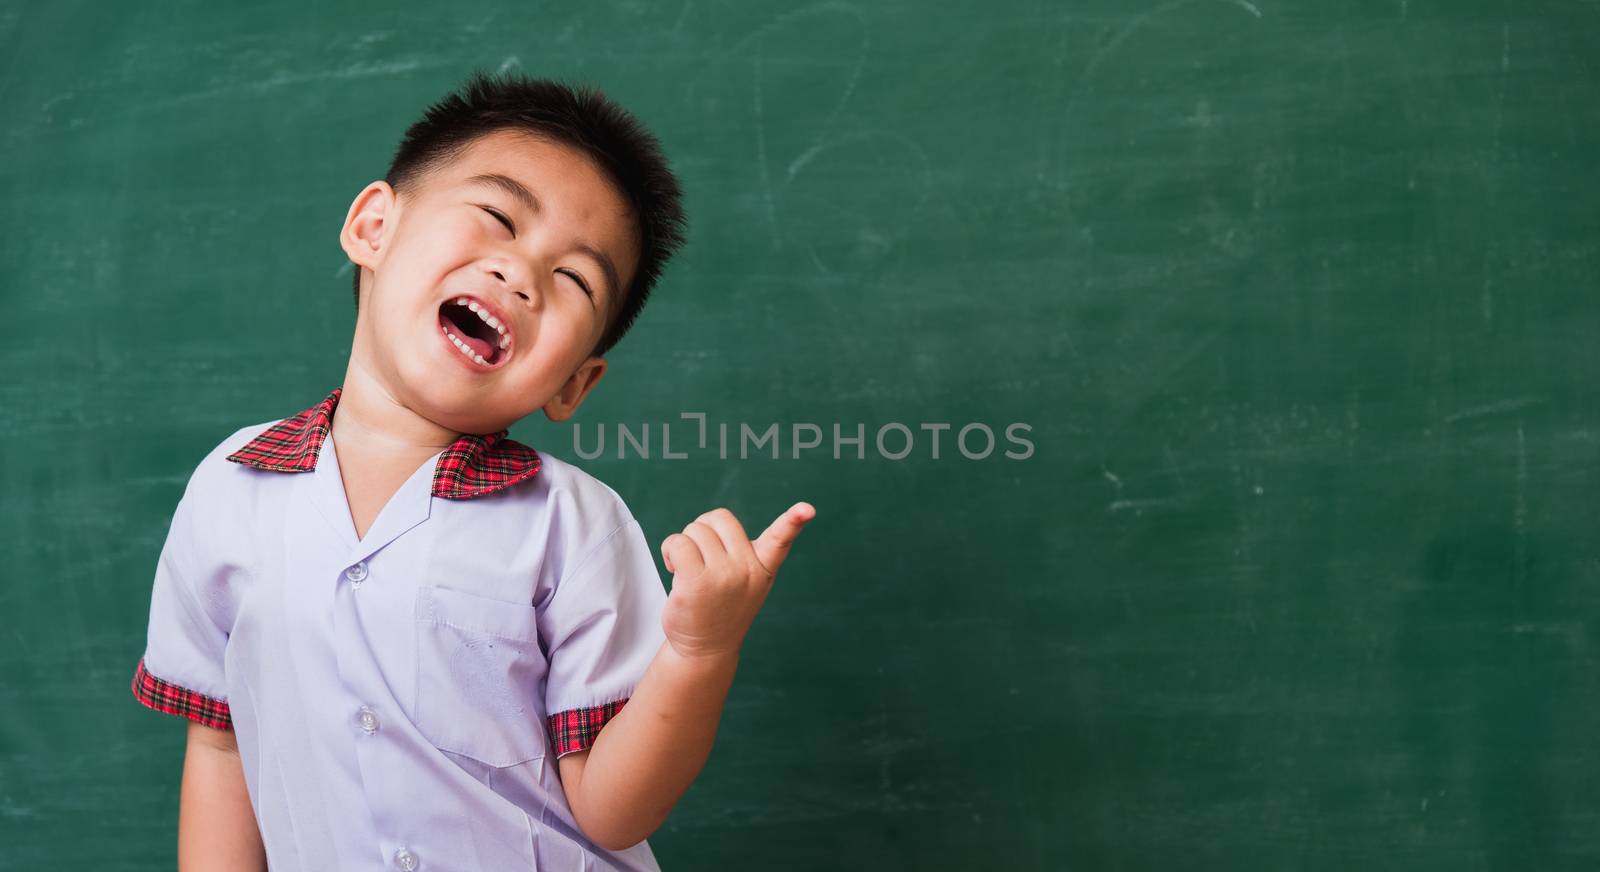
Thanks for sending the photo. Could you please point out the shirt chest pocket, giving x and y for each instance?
(480, 676)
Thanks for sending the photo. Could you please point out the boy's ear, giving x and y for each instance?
(567, 400)
(364, 234)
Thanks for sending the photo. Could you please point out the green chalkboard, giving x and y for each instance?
(1296, 301)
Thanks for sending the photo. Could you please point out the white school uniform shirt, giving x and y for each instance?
(400, 701)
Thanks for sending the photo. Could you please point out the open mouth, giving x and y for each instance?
(477, 339)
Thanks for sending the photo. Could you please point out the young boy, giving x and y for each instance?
(404, 645)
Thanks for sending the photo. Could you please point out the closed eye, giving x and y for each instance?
(502, 219)
(579, 279)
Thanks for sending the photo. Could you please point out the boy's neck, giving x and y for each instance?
(370, 420)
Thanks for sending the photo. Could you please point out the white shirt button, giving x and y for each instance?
(367, 719)
(405, 861)
(357, 573)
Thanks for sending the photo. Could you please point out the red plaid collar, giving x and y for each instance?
(471, 467)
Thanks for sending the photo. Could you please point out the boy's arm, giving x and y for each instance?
(217, 830)
(622, 787)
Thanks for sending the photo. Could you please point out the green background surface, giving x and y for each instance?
(1295, 296)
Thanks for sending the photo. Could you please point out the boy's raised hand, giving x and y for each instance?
(720, 578)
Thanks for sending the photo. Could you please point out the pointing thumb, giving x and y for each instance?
(772, 546)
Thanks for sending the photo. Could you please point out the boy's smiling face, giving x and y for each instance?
(549, 262)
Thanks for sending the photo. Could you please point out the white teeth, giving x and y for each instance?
(483, 315)
(465, 349)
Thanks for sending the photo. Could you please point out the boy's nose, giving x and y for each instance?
(513, 279)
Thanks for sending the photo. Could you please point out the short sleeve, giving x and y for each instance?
(601, 628)
(181, 672)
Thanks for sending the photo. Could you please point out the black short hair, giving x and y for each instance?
(580, 117)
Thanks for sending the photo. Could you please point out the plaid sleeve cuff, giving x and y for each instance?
(172, 699)
(576, 729)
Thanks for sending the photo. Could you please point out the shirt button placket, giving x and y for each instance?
(406, 861)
